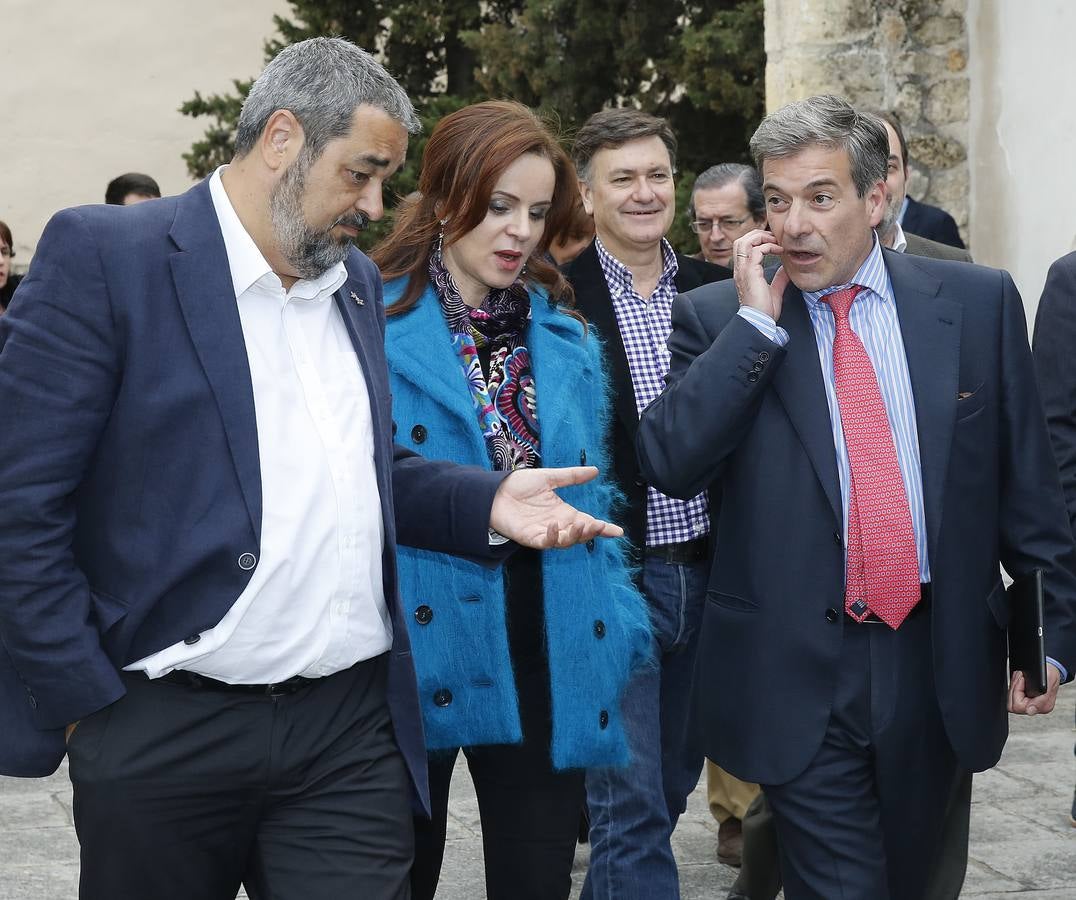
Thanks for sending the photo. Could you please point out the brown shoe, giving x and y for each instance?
(730, 842)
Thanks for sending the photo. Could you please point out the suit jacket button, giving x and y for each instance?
(418, 434)
(247, 561)
(599, 629)
(193, 639)
(837, 538)
(752, 377)
(33, 702)
(443, 697)
(640, 481)
(583, 457)
(764, 356)
(831, 615)
(757, 367)
(603, 720)
(424, 615)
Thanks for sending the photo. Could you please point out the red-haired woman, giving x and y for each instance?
(521, 666)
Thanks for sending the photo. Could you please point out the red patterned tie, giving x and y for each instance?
(882, 562)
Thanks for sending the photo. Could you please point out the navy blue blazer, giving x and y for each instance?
(752, 417)
(129, 470)
(931, 222)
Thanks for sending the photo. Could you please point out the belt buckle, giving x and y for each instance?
(277, 690)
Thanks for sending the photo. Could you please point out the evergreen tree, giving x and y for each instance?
(700, 64)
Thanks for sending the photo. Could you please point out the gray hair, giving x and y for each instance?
(611, 128)
(321, 81)
(726, 173)
(829, 122)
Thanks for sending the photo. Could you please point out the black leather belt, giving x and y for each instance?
(203, 683)
(684, 552)
(921, 607)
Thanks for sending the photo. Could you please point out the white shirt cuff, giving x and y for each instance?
(765, 324)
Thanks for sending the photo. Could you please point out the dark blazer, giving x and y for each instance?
(129, 474)
(593, 301)
(760, 429)
(931, 222)
(921, 246)
(1055, 363)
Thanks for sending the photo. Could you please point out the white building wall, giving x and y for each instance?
(1023, 130)
(92, 90)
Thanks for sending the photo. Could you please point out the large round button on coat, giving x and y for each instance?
(443, 697)
(603, 719)
(247, 561)
(424, 615)
(752, 377)
(418, 434)
(831, 615)
(599, 628)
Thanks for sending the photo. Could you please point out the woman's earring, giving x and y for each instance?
(440, 239)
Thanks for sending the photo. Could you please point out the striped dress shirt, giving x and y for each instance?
(873, 317)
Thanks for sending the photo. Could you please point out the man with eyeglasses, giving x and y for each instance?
(726, 203)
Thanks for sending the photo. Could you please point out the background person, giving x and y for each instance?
(8, 279)
(521, 667)
(726, 203)
(134, 187)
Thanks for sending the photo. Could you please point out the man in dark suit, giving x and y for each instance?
(1055, 362)
(624, 284)
(873, 424)
(199, 506)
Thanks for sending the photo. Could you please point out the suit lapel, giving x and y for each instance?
(362, 327)
(207, 298)
(802, 390)
(594, 302)
(930, 326)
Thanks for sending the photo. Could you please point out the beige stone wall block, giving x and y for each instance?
(909, 104)
(948, 101)
(934, 152)
(822, 21)
(949, 189)
(934, 30)
(892, 29)
(957, 60)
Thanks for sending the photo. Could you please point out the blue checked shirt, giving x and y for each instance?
(645, 326)
(873, 317)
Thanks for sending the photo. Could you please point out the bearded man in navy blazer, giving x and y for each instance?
(200, 501)
(871, 422)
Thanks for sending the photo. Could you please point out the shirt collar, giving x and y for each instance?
(872, 275)
(900, 242)
(246, 263)
(618, 276)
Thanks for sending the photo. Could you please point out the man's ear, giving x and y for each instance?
(588, 201)
(875, 201)
(281, 140)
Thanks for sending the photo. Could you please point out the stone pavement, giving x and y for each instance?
(1021, 842)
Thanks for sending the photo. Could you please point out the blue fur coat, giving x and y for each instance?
(597, 626)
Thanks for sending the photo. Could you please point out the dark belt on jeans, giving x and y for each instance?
(203, 683)
(684, 552)
(921, 607)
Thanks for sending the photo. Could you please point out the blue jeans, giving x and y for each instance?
(633, 810)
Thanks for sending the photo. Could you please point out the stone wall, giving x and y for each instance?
(907, 55)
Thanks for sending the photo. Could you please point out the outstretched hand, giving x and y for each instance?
(527, 510)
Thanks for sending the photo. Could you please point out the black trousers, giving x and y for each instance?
(530, 813)
(866, 819)
(184, 794)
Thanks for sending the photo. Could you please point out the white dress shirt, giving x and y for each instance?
(315, 603)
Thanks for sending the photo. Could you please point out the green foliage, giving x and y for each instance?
(700, 64)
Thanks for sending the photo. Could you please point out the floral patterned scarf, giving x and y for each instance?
(505, 402)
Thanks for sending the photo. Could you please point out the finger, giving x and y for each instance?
(552, 532)
(569, 536)
(1018, 699)
(779, 283)
(570, 475)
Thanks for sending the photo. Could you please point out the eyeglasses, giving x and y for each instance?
(728, 226)
(6, 251)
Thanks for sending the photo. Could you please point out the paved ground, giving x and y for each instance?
(1021, 842)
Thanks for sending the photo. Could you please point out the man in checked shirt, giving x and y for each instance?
(624, 284)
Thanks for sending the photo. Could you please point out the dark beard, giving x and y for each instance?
(310, 252)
